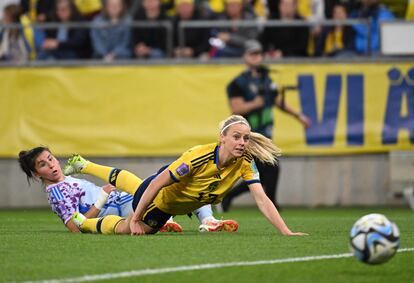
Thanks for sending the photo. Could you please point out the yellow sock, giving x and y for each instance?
(100, 171)
(122, 179)
(103, 225)
(128, 182)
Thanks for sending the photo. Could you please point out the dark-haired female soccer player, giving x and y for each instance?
(202, 175)
(68, 195)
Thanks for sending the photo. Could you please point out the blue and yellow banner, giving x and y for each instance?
(164, 110)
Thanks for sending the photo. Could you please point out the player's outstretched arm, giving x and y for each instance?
(269, 210)
(72, 227)
(148, 196)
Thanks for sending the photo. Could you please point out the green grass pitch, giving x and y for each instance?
(34, 245)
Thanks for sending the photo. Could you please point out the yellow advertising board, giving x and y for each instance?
(164, 110)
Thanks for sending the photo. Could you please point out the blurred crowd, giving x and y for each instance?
(112, 36)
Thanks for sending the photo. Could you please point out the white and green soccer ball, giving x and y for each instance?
(374, 239)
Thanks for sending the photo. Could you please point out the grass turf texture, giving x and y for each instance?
(35, 246)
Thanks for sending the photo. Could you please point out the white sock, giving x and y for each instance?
(204, 214)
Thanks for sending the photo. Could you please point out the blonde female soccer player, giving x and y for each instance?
(202, 175)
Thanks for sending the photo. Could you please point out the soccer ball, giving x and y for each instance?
(374, 239)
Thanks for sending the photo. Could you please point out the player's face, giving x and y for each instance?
(236, 139)
(48, 168)
(253, 59)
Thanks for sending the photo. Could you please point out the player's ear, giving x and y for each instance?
(221, 138)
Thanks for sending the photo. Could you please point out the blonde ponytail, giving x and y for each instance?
(259, 146)
(263, 148)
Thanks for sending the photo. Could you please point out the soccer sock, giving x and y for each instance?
(100, 171)
(125, 181)
(103, 225)
(122, 179)
(204, 213)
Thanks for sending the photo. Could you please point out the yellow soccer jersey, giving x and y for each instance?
(198, 180)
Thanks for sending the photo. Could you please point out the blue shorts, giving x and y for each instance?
(153, 217)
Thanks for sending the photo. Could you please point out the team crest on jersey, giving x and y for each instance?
(213, 186)
(182, 169)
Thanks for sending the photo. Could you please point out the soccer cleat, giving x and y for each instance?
(78, 219)
(219, 225)
(75, 165)
(230, 225)
(171, 226)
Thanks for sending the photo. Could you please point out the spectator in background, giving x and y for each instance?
(150, 42)
(89, 8)
(196, 40)
(13, 45)
(256, 7)
(5, 3)
(19, 44)
(64, 42)
(111, 42)
(229, 42)
(310, 9)
(286, 41)
(376, 13)
(336, 40)
(38, 11)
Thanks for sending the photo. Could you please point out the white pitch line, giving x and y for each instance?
(142, 272)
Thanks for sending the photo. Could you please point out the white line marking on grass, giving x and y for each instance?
(142, 272)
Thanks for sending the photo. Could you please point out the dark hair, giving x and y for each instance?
(27, 160)
(13, 11)
(75, 15)
(340, 4)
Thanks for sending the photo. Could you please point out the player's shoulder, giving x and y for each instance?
(201, 153)
(247, 158)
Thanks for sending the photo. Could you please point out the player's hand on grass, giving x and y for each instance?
(136, 228)
(290, 233)
(298, 234)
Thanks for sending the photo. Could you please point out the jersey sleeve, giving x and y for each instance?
(64, 206)
(181, 168)
(249, 172)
